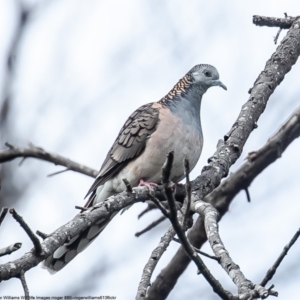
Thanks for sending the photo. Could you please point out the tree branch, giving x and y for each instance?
(40, 153)
(229, 150)
(283, 23)
(246, 289)
(271, 272)
(32, 236)
(10, 249)
(24, 284)
(152, 262)
(151, 226)
(98, 213)
(189, 249)
(3, 213)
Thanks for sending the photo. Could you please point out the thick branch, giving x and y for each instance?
(40, 153)
(222, 196)
(227, 152)
(82, 221)
(257, 161)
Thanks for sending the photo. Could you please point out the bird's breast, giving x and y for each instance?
(172, 133)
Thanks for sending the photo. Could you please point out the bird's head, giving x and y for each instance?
(206, 76)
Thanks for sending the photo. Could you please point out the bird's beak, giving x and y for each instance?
(219, 83)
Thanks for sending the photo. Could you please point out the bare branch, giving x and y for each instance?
(151, 226)
(80, 207)
(200, 252)
(180, 193)
(247, 195)
(42, 234)
(222, 196)
(279, 31)
(274, 22)
(98, 213)
(32, 236)
(128, 185)
(40, 153)
(229, 150)
(257, 161)
(150, 206)
(3, 213)
(217, 287)
(246, 289)
(159, 205)
(10, 249)
(271, 272)
(188, 188)
(152, 262)
(58, 172)
(24, 284)
(227, 153)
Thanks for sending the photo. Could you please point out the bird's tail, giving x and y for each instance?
(65, 253)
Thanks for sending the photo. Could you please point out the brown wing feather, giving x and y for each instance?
(129, 144)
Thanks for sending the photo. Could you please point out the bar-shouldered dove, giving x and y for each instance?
(138, 153)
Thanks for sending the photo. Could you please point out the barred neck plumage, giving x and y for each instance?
(180, 89)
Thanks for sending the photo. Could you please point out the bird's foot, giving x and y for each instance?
(149, 185)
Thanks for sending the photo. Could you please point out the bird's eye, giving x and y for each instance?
(207, 73)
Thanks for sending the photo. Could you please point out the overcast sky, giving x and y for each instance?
(82, 67)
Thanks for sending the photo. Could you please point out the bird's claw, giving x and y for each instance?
(149, 185)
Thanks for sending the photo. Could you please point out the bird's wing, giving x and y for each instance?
(129, 144)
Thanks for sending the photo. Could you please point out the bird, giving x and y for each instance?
(139, 151)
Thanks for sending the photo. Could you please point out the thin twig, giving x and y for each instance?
(32, 236)
(188, 189)
(149, 207)
(128, 185)
(9, 146)
(24, 284)
(159, 205)
(278, 261)
(200, 252)
(58, 172)
(80, 207)
(279, 31)
(42, 234)
(277, 36)
(247, 194)
(3, 213)
(151, 226)
(10, 249)
(22, 161)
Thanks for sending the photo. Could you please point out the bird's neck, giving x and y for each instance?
(185, 99)
(184, 88)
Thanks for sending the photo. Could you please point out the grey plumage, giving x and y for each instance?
(154, 129)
